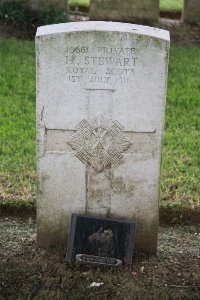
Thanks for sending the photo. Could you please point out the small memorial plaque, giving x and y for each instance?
(100, 241)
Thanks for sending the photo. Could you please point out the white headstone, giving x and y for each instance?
(101, 91)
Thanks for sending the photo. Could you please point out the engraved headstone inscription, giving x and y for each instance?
(100, 241)
(101, 91)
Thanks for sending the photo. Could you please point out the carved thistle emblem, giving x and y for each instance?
(99, 142)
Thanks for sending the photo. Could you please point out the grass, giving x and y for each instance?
(165, 5)
(80, 2)
(171, 5)
(181, 153)
(17, 118)
(180, 185)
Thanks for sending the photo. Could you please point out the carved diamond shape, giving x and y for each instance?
(100, 143)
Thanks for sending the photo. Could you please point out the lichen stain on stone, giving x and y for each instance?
(131, 187)
(95, 176)
(54, 231)
(119, 186)
(158, 43)
(144, 242)
(40, 183)
(42, 114)
(97, 194)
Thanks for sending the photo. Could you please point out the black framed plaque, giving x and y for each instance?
(100, 241)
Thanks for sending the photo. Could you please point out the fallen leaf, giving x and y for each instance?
(96, 284)
(85, 273)
(142, 269)
(134, 273)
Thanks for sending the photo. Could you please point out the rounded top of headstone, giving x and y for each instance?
(104, 27)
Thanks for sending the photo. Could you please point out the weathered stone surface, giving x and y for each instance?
(56, 4)
(127, 10)
(101, 91)
(191, 11)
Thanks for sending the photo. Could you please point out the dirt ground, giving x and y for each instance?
(27, 273)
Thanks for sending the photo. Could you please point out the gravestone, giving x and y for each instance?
(55, 4)
(191, 11)
(101, 91)
(127, 10)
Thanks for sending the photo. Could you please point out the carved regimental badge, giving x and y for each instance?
(100, 142)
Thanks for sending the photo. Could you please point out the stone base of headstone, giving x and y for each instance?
(125, 11)
(191, 12)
